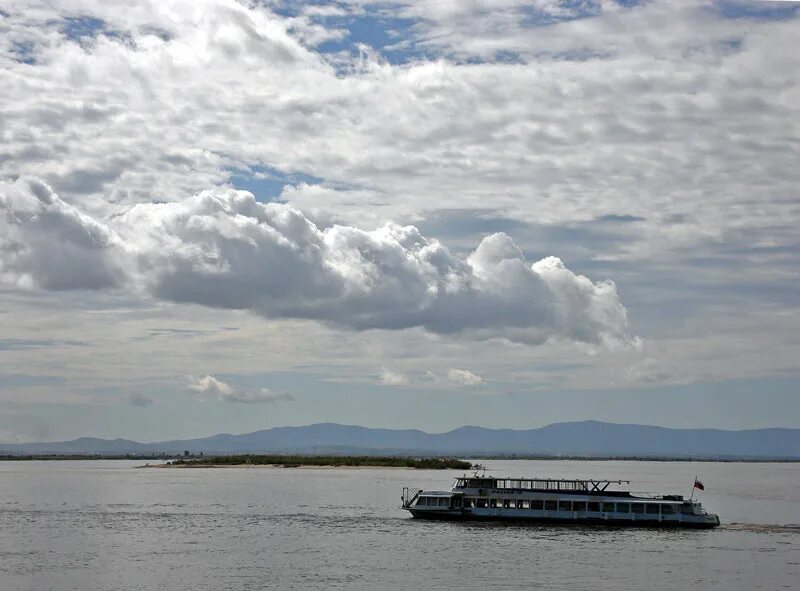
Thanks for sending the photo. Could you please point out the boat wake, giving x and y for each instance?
(765, 528)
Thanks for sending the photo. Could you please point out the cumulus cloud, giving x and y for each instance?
(222, 248)
(464, 377)
(209, 388)
(393, 378)
(48, 243)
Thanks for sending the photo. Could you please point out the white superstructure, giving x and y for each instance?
(555, 501)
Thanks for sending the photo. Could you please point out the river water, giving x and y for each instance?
(103, 525)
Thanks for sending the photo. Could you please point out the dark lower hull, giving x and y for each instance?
(536, 520)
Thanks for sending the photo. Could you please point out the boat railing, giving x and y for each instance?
(409, 496)
(646, 494)
(550, 484)
(655, 496)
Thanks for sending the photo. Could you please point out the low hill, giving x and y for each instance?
(586, 438)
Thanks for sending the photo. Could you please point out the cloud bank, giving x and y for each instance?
(545, 111)
(222, 248)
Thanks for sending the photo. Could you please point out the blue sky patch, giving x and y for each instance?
(76, 28)
(266, 183)
(757, 10)
(24, 52)
(390, 36)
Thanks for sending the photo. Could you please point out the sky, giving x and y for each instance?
(224, 216)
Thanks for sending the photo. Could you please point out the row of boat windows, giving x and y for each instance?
(553, 505)
(509, 484)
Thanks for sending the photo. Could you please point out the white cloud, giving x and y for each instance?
(594, 119)
(393, 378)
(666, 111)
(210, 388)
(445, 379)
(648, 371)
(464, 377)
(208, 385)
(48, 243)
(223, 249)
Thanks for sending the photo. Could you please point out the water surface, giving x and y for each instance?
(100, 525)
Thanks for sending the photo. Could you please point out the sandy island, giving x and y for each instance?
(278, 466)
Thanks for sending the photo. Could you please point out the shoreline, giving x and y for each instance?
(481, 457)
(277, 466)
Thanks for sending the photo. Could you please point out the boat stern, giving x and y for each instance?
(432, 504)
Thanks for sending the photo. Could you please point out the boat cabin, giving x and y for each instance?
(554, 500)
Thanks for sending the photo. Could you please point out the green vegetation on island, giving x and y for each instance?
(292, 461)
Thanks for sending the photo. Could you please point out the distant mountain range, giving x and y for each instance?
(585, 439)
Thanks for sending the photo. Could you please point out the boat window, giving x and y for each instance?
(667, 509)
(594, 506)
(469, 503)
(482, 503)
(509, 504)
(564, 506)
(444, 502)
(608, 507)
(422, 501)
(550, 505)
(686, 509)
(623, 508)
(537, 505)
(652, 509)
(523, 504)
(493, 503)
(637, 507)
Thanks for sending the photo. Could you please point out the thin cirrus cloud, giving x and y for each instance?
(209, 388)
(223, 249)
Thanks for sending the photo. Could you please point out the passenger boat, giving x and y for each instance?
(555, 501)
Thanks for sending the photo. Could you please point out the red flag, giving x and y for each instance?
(698, 484)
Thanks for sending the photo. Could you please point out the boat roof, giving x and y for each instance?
(564, 484)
